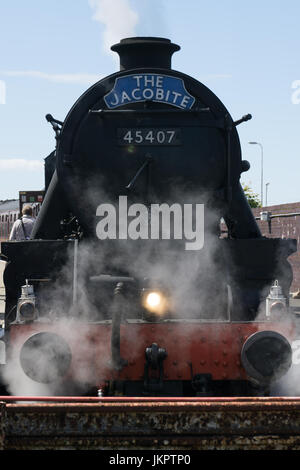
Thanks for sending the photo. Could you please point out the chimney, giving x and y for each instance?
(143, 52)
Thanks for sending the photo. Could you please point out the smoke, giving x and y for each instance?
(153, 18)
(193, 281)
(196, 282)
(43, 366)
(118, 18)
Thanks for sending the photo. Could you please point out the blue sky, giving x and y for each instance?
(247, 53)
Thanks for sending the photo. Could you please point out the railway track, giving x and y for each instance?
(90, 423)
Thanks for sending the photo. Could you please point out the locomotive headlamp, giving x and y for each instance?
(266, 356)
(26, 308)
(275, 302)
(154, 301)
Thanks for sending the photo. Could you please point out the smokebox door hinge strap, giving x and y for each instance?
(154, 360)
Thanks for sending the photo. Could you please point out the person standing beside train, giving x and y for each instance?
(22, 227)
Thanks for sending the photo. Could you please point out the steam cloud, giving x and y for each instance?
(189, 277)
(118, 18)
(195, 281)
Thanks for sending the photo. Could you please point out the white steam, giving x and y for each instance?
(118, 18)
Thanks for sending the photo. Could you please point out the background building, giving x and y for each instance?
(283, 222)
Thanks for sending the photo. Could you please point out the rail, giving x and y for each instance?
(196, 400)
(149, 423)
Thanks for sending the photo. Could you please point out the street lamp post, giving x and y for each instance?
(262, 169)
(267, 184)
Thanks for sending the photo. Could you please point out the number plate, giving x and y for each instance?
(148, 136)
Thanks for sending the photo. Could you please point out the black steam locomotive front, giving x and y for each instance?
(144, 132)
(152, 135)
(147, 163)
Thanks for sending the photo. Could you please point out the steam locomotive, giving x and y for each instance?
(146, 272)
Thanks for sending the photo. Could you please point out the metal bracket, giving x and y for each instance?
(201, 384)
(56, 125)
(154, 360)
(117, 361)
